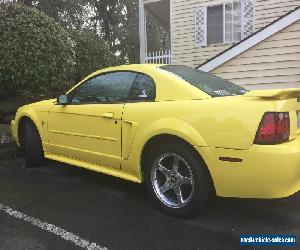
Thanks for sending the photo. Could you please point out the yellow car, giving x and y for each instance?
(187, 134)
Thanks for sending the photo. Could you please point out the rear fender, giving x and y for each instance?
(170, 126)
(175, 127)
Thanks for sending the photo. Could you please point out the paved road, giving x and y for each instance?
(119, 215)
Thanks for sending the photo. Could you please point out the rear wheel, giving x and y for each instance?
(33, 148)
(177, 179)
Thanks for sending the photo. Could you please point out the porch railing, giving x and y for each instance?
(159, 57)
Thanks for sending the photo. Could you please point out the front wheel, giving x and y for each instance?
(34, 154)
(177, 179)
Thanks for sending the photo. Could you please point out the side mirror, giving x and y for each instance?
(62, 100)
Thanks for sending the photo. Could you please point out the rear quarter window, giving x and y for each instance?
(210, 84)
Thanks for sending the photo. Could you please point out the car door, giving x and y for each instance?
(88, 128)
(137, 111)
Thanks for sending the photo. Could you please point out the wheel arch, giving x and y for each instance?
(21, 128)
(167, 138)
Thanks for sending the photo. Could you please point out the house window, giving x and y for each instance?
(224, 23)
(232, 22)
(215, 24)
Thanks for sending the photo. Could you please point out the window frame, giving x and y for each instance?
(223, 35)
(205, 8)
(71, 93)
(224, 23)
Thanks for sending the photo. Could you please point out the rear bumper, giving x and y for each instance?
(266, 171)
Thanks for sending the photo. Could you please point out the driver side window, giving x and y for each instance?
(110, 87)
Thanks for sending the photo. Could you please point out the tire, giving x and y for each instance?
(192, 178)
(33, 148)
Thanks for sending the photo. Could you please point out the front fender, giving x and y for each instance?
(37, 114)
(28, 114)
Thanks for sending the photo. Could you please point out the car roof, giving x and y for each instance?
(168, 85)
(131, 67)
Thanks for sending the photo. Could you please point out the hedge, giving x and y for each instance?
(38, 56)
(36, 53)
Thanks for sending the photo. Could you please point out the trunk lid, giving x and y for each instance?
(280, 94)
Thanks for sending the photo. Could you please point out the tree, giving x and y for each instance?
(131, 50)
(69, 13)
(117, 22)
(91, 53)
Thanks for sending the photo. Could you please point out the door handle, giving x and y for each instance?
(108, 115)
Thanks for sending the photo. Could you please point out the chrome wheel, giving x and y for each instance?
(172, 180)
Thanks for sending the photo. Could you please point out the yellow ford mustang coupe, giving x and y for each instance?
(185, 133)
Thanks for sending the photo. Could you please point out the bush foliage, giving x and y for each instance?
(35, 54)
(38, 56)
(92, 54)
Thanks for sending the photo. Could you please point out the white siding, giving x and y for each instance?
(266, 11)
(273, 63)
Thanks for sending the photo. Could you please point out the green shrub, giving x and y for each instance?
(91, 53)
(36, 54)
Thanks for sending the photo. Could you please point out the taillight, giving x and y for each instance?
(274, 128)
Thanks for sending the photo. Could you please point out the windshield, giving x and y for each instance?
(210, 84)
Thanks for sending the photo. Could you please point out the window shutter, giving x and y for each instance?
(201, 27)
(247, 18)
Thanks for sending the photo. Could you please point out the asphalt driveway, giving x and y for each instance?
(117, 214)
